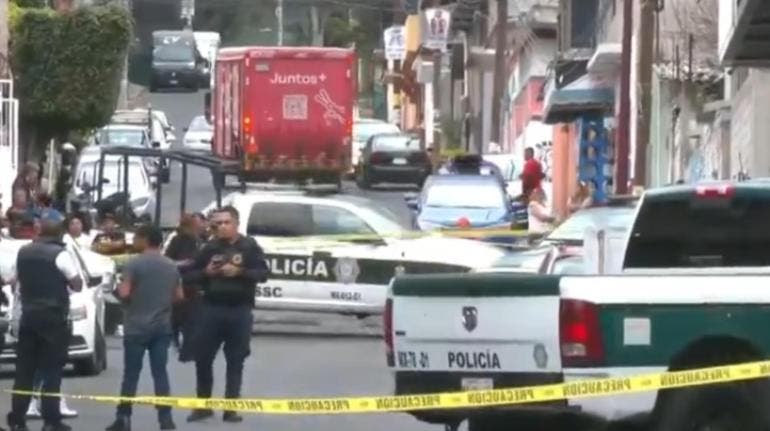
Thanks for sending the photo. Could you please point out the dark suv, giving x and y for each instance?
(176, 62)
(393, 158)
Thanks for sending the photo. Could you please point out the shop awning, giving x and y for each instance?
(586, 94)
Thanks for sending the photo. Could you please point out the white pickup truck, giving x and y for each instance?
(694, 292)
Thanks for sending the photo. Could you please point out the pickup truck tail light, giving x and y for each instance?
(580, 334)
(715, 191)
(387, 327)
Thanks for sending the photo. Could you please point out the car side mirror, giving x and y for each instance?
(186, 129)
(94, 281)
(156, 144)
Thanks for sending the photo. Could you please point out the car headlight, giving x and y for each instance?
(78, 313)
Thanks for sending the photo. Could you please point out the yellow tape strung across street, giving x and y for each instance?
(454, 400)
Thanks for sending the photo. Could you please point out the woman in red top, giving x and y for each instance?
(532, 175)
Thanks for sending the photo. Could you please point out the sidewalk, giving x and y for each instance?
(138, 96)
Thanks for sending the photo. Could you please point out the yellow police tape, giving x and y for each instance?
(454, 400)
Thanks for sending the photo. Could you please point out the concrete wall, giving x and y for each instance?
(750, 132)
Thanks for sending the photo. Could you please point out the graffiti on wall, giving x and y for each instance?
(544, 154)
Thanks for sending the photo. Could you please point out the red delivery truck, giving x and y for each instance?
(284, 114)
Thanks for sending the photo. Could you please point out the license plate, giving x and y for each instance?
(476, 384)
(174, 81)
(399, 161)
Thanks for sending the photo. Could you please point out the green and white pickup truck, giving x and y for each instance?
(694, 291)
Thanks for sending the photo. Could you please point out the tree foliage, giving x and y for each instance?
(341, 32)
(68, 66)
(30, 3)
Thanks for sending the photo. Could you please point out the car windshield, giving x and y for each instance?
(395, 143)
(383, 220)
(177, 52)
(466, 195)
(113, 173)
(122, 137)
(200, 124)
(363, 131)
(574, 228)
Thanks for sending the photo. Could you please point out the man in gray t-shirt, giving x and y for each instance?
(151, 284)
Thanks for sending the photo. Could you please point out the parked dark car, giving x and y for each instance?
(176, 62)
(393, 158)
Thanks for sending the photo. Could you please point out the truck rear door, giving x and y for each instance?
(480, 329)
(302, 106)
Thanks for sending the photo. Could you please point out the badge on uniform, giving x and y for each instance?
(346, 270)
(237, 259)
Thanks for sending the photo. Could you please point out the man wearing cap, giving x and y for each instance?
(45, 272)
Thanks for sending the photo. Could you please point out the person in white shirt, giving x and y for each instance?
(77, 233)
(540, 219)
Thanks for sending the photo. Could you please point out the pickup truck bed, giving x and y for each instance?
(478, 331)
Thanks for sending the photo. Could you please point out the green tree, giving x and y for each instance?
(68, 66)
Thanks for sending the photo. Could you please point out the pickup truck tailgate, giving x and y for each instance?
(471, 323)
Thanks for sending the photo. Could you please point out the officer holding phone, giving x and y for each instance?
(228, 268)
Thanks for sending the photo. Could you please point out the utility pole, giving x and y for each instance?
(123, 99)
(279, 16)
(501, 26)
(645, 45)
(4, 36)
(624, 114)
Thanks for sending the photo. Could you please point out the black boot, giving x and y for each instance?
(232, 417)
(199, 415)
(166, 423)
(122, 423)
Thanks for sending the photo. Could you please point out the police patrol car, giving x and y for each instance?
(337, 253)
(88, 348)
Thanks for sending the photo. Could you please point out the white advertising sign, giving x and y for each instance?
(395, 43)
(436, 28)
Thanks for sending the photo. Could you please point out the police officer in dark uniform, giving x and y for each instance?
(228, 269)
(45, 271)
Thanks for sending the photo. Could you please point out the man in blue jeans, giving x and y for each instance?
(151, 284)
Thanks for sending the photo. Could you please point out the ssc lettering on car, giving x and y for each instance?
(269, 292)
(473, 360)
